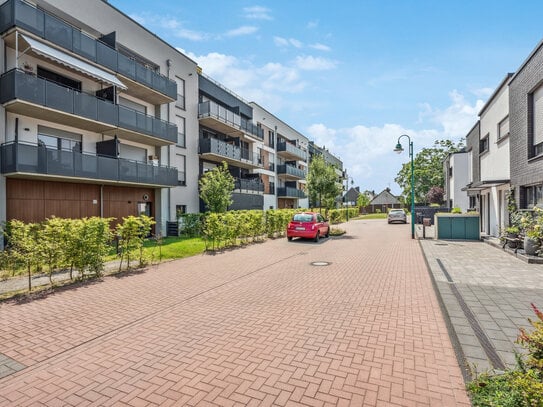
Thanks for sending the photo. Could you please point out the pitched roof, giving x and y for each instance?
(384, 198)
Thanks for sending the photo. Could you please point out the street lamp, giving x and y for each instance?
(399, 149)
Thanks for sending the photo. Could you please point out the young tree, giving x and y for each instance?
(363, 200)
(428, 165)
(216, 187)
(322, 182)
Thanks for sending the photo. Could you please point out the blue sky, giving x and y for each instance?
(354, 77)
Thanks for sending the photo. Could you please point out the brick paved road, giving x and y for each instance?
(254, 326)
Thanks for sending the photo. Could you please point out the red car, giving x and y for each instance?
(309, 225)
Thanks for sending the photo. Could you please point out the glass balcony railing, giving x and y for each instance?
(17, 13)
(252, 185)
(290, 170)
(289, 192)
(16, 84)
(292, 150)
(34, 159)
(216, 111)
(227, 150)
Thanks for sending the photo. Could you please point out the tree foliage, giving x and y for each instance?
(435, 195)
(428, 170)
(363, 200)
(322, 184)
(216, 187)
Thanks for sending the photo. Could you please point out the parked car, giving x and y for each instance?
(397, 215)
(308, 225)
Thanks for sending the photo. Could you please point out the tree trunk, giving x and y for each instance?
(29, 279)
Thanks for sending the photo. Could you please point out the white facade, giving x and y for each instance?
(457, 170)
(494, 160)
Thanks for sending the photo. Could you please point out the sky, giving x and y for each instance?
(355, 75)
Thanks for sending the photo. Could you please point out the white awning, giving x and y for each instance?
(71, 62)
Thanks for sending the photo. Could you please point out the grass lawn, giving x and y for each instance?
(373, 216)
(172, 248)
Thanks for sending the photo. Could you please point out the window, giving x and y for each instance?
(181, 127)
(56, 139)
(503, 128)
(180, 102)
(537, 120)
(473, 202)
(534, 196)
(270, 138)
(138, 107)
(58, 79)
(181, 168)
(483, 145)
(133, 153)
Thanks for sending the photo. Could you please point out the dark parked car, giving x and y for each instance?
(397, 215)
(309, 225)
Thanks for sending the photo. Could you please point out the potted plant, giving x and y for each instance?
(511, 233)
(532, 241)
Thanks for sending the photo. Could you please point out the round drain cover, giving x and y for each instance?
(320, 263)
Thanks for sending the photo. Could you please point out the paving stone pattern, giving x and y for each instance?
(253, 326)
(497, 287)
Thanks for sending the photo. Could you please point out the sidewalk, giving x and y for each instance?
(485, 293)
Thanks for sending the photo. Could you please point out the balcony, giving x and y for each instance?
(26, 160)
(143, 82)
(225, 121)
(42, 99)
(248, 185)
(290, 172)
(289, 192)
(217, 150)
(290, 151)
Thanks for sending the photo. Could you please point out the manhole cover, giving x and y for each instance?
(320, 263)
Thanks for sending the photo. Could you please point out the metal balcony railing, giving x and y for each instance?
(289, 192)
(218, 112)
(252, 185)
(19, 157)
(16, 84)
(227, 150)
(290, 170)
(17, 13)
(292, 149)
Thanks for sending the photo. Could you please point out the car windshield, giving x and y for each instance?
(396, 211)
(303, 217)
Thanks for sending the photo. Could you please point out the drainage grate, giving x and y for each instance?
(490, 352)
(320, 263)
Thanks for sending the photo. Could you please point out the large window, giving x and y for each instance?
(58, 79)
(537, 118)
(180, 102)
(503, 128)
(483, 145)
(181, 168)
(534, 196)
(181, 128)
(56, 139)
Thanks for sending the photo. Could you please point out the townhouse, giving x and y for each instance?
(90, 126)
(456, 170)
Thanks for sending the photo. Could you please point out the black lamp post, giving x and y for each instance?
(399, 149)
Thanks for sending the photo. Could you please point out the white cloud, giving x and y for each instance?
(310, 63)
(312, 24)
(243, 30)
(176, 27)
(257, 13)
(320, 47)
(366, 151)
(286, 42)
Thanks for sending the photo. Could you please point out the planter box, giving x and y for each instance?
(457, 227)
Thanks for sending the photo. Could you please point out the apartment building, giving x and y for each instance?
(98, 115)
(287, 149)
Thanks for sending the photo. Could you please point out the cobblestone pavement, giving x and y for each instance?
(253, 326)
(487, 293)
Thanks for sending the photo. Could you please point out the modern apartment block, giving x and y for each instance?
(287, 149)
(95, 114)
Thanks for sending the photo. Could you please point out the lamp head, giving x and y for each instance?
(398, 149)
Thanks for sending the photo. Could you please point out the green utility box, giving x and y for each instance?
(459, 227)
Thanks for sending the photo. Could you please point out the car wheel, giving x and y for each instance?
(316, 239)
(327, 235)
(289, 238)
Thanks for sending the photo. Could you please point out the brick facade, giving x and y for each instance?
(525, 169)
